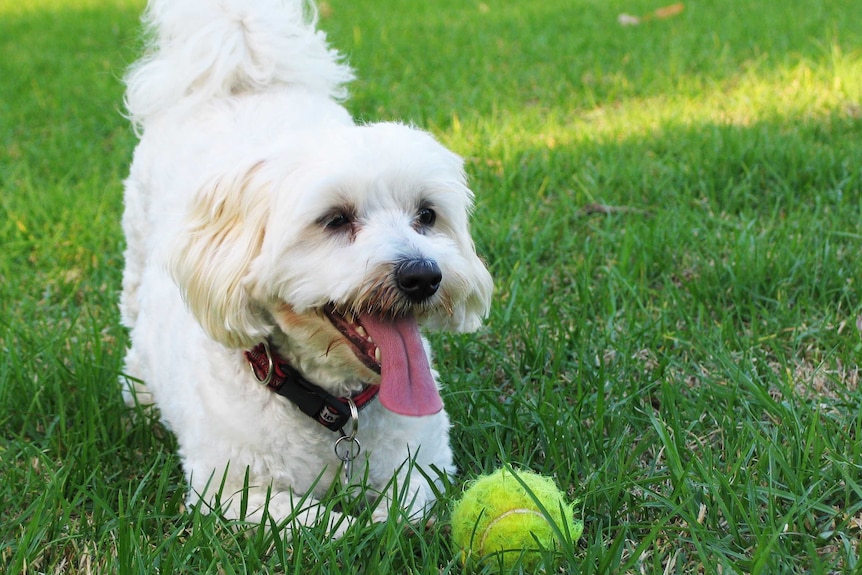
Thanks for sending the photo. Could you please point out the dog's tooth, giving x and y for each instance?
(377, 354)
(361, 331)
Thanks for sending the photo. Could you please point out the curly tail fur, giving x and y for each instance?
(204, 49)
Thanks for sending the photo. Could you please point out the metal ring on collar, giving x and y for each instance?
(354, 420)
(270, 368)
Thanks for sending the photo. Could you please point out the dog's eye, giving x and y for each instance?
(337, 221)
(426, 217)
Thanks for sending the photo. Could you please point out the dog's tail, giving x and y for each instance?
(204, 49)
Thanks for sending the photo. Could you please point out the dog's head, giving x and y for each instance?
(337, 246)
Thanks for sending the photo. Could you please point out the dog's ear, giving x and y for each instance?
(479, 286)
(478, 303)
(475, 285)
(223, 234)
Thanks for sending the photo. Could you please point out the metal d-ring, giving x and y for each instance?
(354, 420)
(269, 369)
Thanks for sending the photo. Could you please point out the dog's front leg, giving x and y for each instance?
(285, 510)
(288, 510)
(408, 496)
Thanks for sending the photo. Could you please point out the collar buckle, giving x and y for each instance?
(277, 374)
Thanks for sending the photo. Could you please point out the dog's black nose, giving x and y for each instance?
(418, 279)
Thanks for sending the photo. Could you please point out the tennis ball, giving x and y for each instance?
(497, 514)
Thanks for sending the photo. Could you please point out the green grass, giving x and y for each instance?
(672, 216)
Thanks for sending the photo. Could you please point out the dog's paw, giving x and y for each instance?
(380, 514)
(410, 506)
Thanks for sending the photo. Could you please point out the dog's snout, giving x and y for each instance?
(418, 279)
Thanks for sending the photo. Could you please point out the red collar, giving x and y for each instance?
(273, 371)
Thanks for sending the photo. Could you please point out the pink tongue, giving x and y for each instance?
(406, 384)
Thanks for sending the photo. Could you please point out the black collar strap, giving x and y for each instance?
(332, 412)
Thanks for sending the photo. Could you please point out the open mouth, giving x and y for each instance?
(363, 346)
(392, 347)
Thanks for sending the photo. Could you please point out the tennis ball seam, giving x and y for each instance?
(517, 511)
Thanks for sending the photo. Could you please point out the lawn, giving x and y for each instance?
(671, 212)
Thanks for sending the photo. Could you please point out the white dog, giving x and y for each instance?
(280, 259)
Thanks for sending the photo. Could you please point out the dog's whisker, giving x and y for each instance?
(332, 344)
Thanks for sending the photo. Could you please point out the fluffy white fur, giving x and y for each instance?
(246, 170)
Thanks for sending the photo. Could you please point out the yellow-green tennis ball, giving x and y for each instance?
(496, 514)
